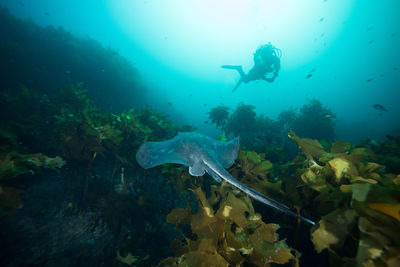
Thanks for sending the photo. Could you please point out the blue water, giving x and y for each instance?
(179, 46)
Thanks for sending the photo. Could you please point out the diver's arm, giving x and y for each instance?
(270, 80)
(277, 67)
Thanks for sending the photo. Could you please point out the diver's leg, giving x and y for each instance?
(243, 76)
(231, 67)
(238, 68)
(237, 85)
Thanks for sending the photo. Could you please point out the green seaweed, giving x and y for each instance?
(219, 116)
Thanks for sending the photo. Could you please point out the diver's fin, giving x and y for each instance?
(231, 67)
(237, 85)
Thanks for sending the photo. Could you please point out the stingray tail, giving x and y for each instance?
(254, 194)
(268, 201)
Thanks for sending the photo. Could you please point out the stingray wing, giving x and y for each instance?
(152, 154)
(226, 152)
(186, 149)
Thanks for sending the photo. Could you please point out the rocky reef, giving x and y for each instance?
(84, 158)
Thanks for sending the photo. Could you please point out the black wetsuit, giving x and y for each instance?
(266, 60)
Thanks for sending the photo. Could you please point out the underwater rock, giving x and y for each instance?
(10, 199)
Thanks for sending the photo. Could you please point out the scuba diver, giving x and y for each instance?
(266, 60)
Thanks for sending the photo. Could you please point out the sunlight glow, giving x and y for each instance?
(196, 36)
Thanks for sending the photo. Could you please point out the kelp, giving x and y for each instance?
(314, 121)
(9, 199)
(257, 133)
(84, 130)
(339, 166)
(261, 134)
(357, 201)
(313, 150)
(362, 227)
(348, 188)
(333, 229)
(180, 178)
(226, 231)
(372, 224)
(250, 168)
(13, 164)
(27, 116)
(254, 170)
(68, 126)
(219, 115)
(388, 152)
(242, 120)
(130, 260)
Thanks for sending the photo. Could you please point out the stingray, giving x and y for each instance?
(203, 155)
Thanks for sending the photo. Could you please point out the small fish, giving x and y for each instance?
(311, 71)
(327, 115)
(379, 107)
(308, 76)
(46, 13)
(321, 19)
(371, 42)
(169, 103)
(382, 75)
(190, 94)
(205, 105)
(369, 28)
(370, 80)
(206, 122)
